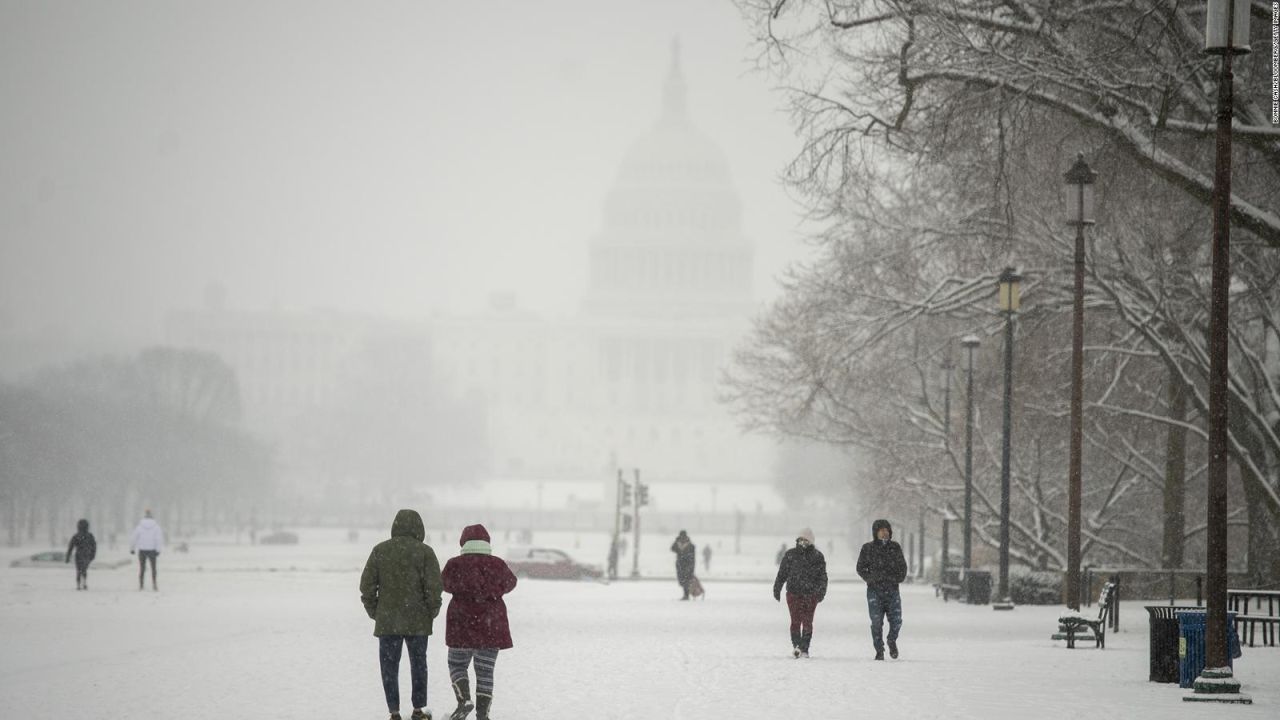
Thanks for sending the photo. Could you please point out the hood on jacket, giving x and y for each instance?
(408, 523)
(82, 525)
(875, 529)
(805, 533)
(473, 532)
(147, 523)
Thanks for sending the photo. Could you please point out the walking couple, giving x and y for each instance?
(401, 590)
(881, 565)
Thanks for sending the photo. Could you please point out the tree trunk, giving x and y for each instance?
(14, 533)
(1175, 478)
(1263, 543)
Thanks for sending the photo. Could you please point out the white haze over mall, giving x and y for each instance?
(287, 200)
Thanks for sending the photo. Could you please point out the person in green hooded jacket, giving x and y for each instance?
(400, 588)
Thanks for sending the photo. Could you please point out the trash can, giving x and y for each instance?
(977, 587)
(1191, 650)
(1164, 642)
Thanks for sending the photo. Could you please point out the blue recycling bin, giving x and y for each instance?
(1191, 644)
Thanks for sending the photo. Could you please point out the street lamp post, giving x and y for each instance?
(1009, 300)
(970, 343)
(1226, 34)
(1080, 192)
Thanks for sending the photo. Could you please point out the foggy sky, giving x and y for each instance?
(387, 157)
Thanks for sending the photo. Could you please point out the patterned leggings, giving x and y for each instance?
(485, 658)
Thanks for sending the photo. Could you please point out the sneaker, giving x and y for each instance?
(879, 654)
(795, 652)
(420, 715)
(804, 654)
(394, 716)
(893, 650)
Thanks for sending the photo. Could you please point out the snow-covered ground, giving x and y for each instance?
(278, 632)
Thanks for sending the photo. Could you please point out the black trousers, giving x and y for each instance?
(143, 557)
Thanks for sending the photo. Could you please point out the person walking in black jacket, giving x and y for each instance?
(882, 565)
(85, 548)
(686, 559)
(804, 572)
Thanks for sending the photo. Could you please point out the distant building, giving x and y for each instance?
(630, 381)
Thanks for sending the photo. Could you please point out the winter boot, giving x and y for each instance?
(893, 650)
(795, 644)
(419, 714)
(879, 654)
(805, 638)
(462, 691)
(482, 706)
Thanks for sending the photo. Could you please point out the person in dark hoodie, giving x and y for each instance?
(686, 560)
(882, 565)
(804, 571)
(400, 588)
(85, 548)
(476, 626)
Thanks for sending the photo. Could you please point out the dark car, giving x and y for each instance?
(549, 563)
(280, 537)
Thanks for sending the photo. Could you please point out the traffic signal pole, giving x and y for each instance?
(635, 551)
(617, 526)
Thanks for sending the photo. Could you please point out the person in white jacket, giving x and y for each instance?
(148, 541)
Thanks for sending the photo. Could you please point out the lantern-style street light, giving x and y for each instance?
(1079, 190)
(969, 343)
(1009, 301)
(1226, 34)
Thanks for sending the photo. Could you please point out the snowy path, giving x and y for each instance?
(240, 644)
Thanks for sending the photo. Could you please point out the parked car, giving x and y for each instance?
(549, 563)
(58, 558)
(280, 537)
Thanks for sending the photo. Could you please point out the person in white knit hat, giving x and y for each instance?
(803, 571)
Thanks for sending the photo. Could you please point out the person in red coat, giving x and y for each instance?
(476, 625)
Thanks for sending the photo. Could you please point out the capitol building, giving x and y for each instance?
(630, 380)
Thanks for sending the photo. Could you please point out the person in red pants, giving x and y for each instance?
(803, 571)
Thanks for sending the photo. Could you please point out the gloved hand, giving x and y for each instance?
(777, 596)
(130, 552)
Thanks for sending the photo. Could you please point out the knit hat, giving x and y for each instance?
(805, 533)
(473, 532)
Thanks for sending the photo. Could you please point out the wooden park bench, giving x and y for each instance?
(1074, 625)
(1248, 623)
(948, 585)
(946, 590)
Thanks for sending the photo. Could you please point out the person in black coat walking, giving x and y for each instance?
(883, 566)
(85, 548)
(804, 571)
(686, 559)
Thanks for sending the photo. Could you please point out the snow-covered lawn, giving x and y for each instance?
(237, 640)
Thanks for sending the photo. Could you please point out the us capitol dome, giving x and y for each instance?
(671, 242)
